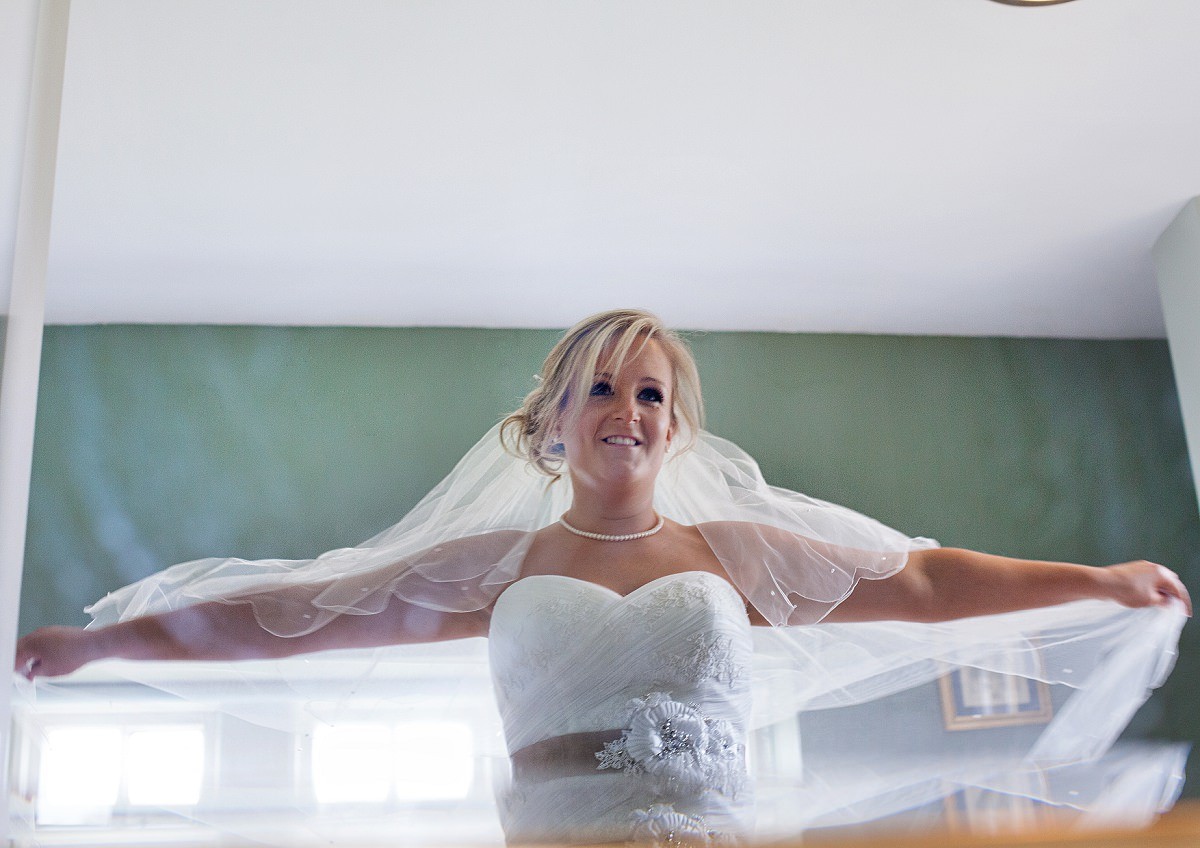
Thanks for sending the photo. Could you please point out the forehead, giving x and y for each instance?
(645, 359)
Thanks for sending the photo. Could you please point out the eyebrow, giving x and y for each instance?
(648, 379)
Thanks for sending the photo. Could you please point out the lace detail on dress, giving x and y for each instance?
(531, 661)
(534, 657)
(679, 594)
(677, 747)
(708, 656)
(562, 610)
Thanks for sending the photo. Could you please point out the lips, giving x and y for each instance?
(627, 441)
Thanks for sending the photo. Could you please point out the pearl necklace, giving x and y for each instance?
(612, 537)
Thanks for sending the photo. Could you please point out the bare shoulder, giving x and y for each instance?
(461, 561)
(727, 529)
(690, 531)
(740, 526)
(722, 533)
(776, 539)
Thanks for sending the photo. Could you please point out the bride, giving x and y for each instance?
(618, 556)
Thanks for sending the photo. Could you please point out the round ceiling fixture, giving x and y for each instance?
(1031, 2)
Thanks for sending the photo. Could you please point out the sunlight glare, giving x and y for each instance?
(165, 766)
(80, 775)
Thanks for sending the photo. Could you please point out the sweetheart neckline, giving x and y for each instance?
(613, 592)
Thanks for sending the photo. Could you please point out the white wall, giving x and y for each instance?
(1177, 259)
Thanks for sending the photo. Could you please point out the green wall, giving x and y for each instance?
(157, 444)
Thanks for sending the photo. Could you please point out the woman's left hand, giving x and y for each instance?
(1147, 584)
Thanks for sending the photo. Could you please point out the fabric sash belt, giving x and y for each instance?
(569, 755)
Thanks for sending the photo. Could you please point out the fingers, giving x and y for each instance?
(26, 662)
(1146, 583)
(1173, 588)
(46, 652)
(1163, 585)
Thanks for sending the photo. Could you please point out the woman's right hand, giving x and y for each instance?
(53, 651)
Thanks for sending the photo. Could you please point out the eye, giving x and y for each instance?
(600, 388)
(650, 394)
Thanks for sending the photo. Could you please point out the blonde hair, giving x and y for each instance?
(571, 367)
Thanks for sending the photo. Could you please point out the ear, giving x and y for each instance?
(555, 434)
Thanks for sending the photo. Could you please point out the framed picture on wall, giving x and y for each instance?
(973, 698)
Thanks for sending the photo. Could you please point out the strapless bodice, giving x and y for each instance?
(568, 655)
(643, 700)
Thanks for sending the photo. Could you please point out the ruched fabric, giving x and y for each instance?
(668, 667)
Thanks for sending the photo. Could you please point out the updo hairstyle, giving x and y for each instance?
(608, 339)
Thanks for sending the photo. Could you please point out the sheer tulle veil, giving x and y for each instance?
(793, 557)
(893, 716)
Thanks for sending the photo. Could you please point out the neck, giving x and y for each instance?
(612, 512)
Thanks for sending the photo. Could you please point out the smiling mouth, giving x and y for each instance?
(628, 441)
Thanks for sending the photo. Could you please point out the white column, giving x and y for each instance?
(1177, 259)
(23, 339)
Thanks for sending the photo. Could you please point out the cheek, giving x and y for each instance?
(575, 427)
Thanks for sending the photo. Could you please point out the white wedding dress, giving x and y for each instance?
(626, 718)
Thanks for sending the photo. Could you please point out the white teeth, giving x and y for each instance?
(620, 440)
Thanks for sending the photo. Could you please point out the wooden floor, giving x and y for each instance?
(1179, 828)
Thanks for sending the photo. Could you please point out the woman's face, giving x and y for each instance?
(624, 425)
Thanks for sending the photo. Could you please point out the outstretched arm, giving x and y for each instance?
(947, 583)
(218, 631)
(230, 631)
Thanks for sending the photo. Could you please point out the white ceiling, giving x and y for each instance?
(910, 166)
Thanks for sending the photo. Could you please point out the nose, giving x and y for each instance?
(626, 409)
